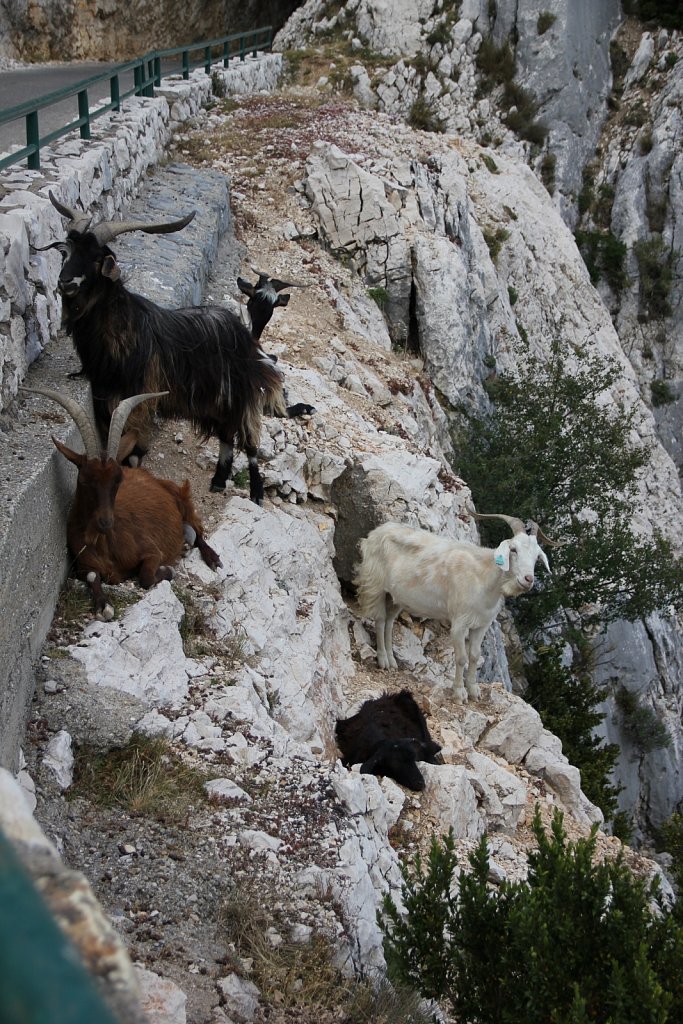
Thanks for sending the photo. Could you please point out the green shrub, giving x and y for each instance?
(661, 391)
(655, 269)
(566, 700)
(605, 258)
(547, 170)
(494, 240)
(548, 450)
(379, 295)
(496, 63)
(575, 942)
(545, 21)
(513, 294)
(645, 142)
(490, 163)
(641, 724)
(423, 116)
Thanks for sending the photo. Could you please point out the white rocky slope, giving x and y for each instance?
(289, 655)
(463, 316)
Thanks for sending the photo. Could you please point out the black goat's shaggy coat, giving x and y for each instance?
(387, 736)
(217, 376)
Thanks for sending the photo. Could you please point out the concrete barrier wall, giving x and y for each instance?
(103, 176)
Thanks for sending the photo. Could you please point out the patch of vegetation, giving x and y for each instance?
(194, 629)
(379, 295)
(656, 265)
(551, 450)
(513, 294)
(669, 838)
(587, 195)
(439, 34)
(546, 20)
(490, 163)
(661, 392)
(496, 63)
(241, 478)
(640, 723)
(146, 777)
(645, 142)
(667, 13)
(547, 169)
(566, 699)
(303, 977)
(605, 258)
(637, 115)
(596, 943)
(494, 240)
(218, 87)
(423, 116)
(75, 604)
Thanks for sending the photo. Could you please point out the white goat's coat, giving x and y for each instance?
(437, 578)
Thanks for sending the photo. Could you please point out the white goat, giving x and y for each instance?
(437, 578)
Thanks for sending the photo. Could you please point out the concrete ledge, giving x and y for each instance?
(36, 483)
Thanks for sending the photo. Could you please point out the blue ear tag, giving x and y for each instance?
(500, 560)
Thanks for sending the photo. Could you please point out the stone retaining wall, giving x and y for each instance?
(102, 176)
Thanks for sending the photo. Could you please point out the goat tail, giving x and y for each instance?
(370, 577)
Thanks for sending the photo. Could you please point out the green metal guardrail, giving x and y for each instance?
(43, 978)
(146, 75)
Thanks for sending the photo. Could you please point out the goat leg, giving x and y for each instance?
(151, 572)
(255, 481)
(103, 609)
(209, 556)
(226, 454)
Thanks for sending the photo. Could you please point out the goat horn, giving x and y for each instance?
(81, 417)
(107, 230)
(78, 221)
(119, 417)
(277, 284)
(516, 525)
(536, 531)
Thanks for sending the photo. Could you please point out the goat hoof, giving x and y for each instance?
(105, 614)
(217, 489)
(460, 696)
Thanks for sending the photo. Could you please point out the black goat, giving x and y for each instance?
(264, 296)
(217, 376)
(387, 736)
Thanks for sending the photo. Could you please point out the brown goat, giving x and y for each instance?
(124, 522)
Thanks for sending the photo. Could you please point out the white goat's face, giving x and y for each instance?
(517, 557)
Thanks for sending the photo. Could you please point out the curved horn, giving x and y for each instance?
(516, 525)
(78, 221)
(277, 284)
(81, 417)
(536, 531)
(119, 417)
(107, 230)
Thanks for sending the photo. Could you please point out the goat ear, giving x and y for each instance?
(110, 268)
(542, 556)
(502, 555)
(282, 300)
(245, 287)
(78, 458)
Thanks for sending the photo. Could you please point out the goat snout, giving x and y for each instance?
(104, 523)
(528, 581)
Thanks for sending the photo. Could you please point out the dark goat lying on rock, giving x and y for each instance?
(388, 736)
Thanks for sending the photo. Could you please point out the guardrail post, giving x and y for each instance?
(242, 48)
(226, 55)
(137, 79)
(84, 112)
(33, 139)
(186, 64)
(254, 43)
(149, 78)
(114, 93)
(207, 59)
(157, 71)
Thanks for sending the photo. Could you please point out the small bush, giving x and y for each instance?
(645, 142)
(496, 63)
(218, 87)
(379, 295)
(605, 258)
(547, 170)
(494, 240)
(440, 34)
(641, 723)
(513, 294)
(545, 21)
(423, 116)
(490, 163)
(661, 392)
(591, 942)
(655, 269)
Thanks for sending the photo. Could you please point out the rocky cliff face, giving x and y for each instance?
(109, 30)
(420, 236)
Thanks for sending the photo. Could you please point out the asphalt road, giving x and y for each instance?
(34, 81)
